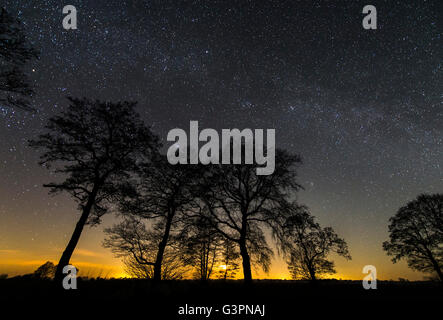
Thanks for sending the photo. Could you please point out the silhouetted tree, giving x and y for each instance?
(138, 247)
(416, 234)
(200, 247)
(45, 271)
(162, 195)
(240, 204)
(229, 259)
(308, 245)
(15, 52)
(172, 269)
(96, 145)
(137, 270)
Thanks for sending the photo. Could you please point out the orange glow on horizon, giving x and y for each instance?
(94, 261)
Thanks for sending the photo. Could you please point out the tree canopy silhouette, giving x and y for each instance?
(15, 52)
(96, 145)
(162, 194)
(229, 259)
(240, 204)
(308, 245)
(45, 271)
(139, 247)
(200, 247)
(416, 234)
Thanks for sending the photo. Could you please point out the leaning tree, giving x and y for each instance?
(96, 146)
(241, 205)
(307, 246)
(15, 52)
(416, 234)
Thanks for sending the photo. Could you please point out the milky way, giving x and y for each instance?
(362, 107)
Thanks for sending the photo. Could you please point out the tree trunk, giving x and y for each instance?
(440, 274)
(437, 268)
(161, 249)
(247, 274)
(66, 256)
(246, 261)
(434, 263)
(312, 274)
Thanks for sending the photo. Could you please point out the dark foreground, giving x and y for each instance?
(281, 299)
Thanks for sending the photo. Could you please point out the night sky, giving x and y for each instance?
(362, 107)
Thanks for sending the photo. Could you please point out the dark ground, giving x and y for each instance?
(283, 299)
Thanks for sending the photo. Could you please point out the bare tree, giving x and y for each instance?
(162, 194)
(240, 204)
(15, 52)
(308, 246)
(200, 247)
(229, 260)
(172, 269)
(137, 270)
(96, 145)
(138, 246)
(416, 234)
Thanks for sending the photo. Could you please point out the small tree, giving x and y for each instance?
(15, 52)
(45, 271)
(97, 146)
(229, 259)
(416, 234)
(200, 248)
(308, 245)
(172, 269)
(137, 270)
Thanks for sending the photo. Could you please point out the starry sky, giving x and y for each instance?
(362, 107)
